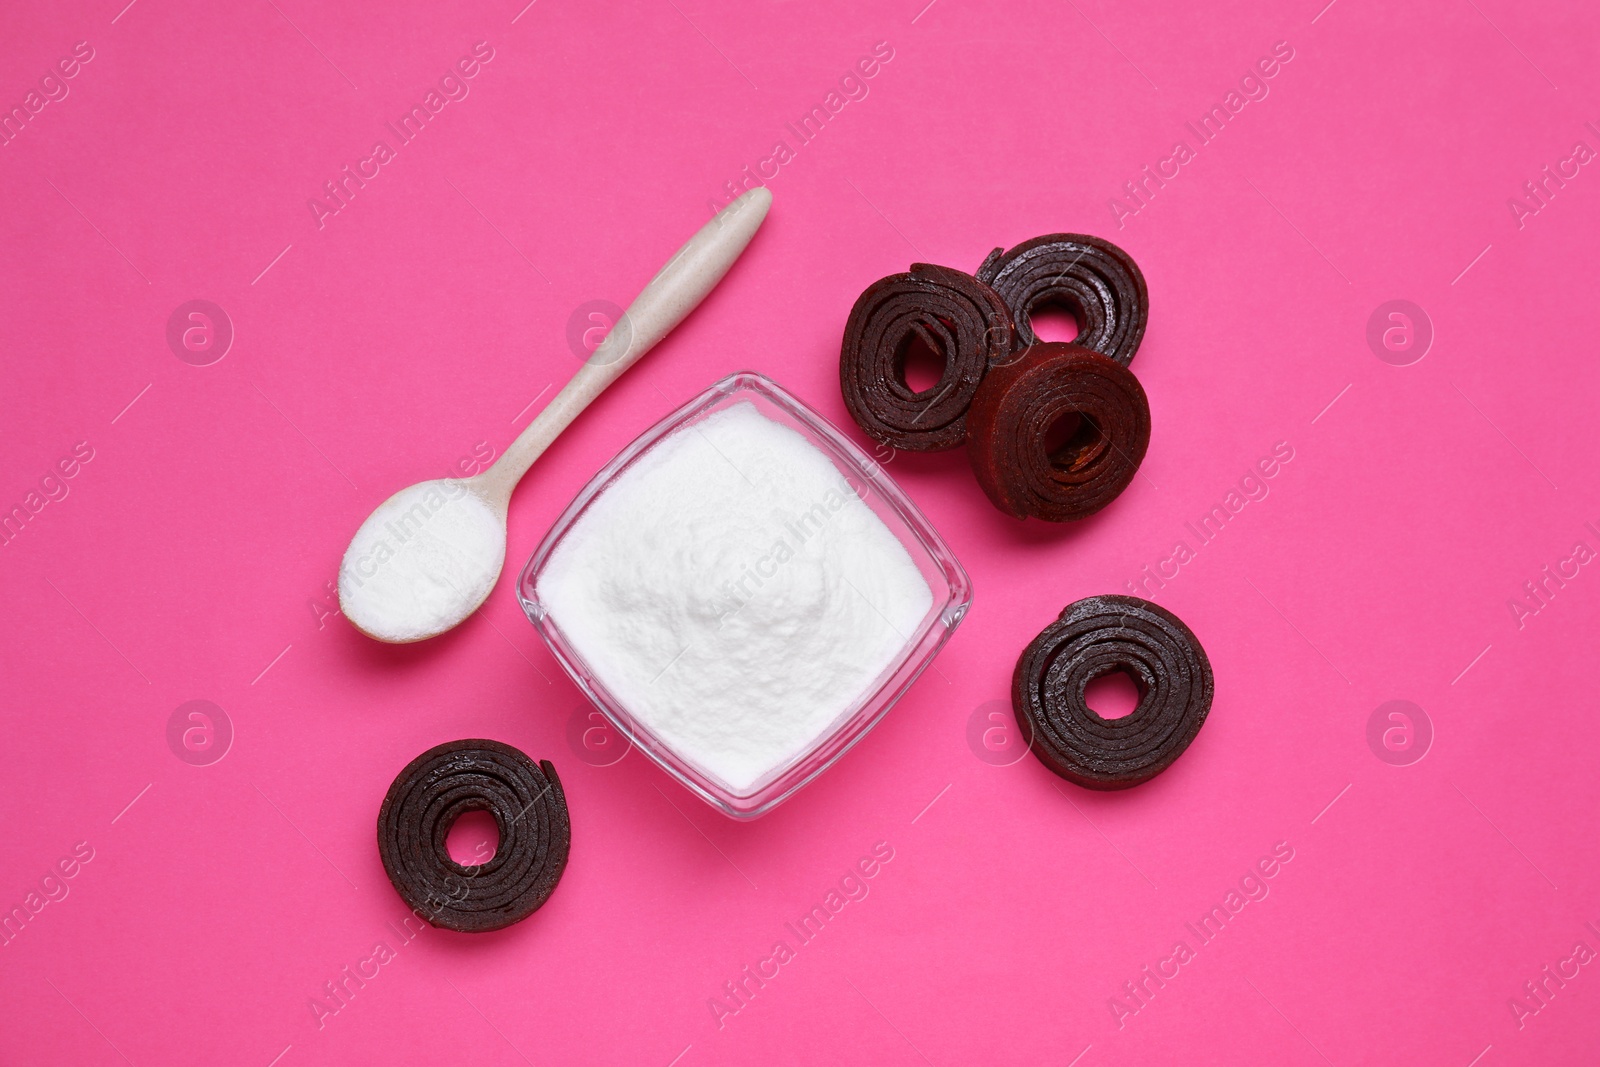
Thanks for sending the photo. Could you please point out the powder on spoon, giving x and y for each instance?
(733, 592)
(423, 561)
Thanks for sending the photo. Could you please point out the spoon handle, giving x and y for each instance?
(688, 277)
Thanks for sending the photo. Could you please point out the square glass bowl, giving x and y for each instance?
(947, 581)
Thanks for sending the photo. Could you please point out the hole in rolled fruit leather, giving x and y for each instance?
(1054, 322)
(1069, 437)
(919, 363)
(474, 839)
(1113, 695)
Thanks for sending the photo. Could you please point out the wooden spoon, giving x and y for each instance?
(427, 557)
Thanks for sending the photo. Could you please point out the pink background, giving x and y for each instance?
(190, 557)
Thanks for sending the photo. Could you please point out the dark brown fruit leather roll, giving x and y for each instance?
(440, 786)
(953, 314)
(1018, 406)
(1094, 637)
(1091, 277)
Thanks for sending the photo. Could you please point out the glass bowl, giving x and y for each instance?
(947, 581)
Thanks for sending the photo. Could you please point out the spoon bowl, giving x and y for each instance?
(423, 561)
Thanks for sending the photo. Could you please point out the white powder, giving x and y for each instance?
(735, 594)
(422, 562)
